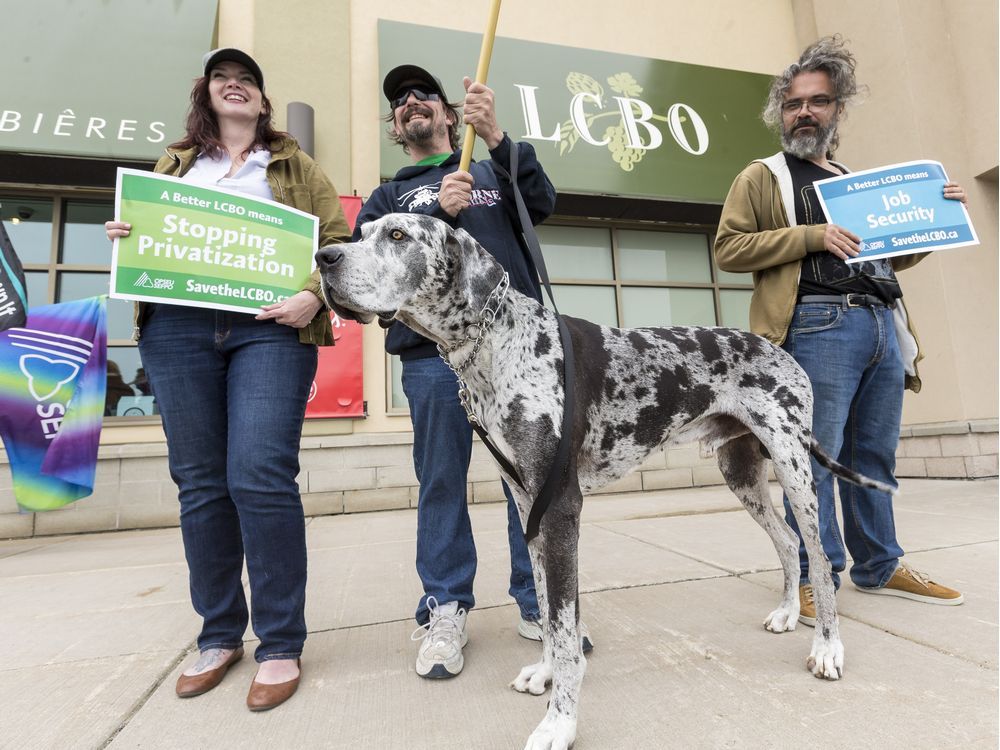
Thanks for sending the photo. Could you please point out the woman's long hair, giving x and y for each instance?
(202, 126)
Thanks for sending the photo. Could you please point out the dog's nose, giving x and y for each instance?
(329, 256)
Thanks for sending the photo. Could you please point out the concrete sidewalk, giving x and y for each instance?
(674, 587)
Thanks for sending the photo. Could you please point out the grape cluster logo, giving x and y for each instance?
(615, 135)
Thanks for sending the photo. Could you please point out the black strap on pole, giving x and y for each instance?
(560, 465)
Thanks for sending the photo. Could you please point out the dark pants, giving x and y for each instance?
(853, 362)
(232, 393)
(442, 448)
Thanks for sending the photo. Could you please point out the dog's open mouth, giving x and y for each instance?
(385, 317)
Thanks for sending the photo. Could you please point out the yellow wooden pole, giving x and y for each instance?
(485, 53)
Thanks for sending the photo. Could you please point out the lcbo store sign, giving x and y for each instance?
(601, 122)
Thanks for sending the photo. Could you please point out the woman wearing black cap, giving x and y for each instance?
(232, 392)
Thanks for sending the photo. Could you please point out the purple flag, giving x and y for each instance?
(52, 380)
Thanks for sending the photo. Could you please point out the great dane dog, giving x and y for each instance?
(636, 390)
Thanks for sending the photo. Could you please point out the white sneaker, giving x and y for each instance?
(532, 630)
(440, 655)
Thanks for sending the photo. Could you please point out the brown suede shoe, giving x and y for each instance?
(189, 687)
(265, 697)
(912, 584)
(807, 607)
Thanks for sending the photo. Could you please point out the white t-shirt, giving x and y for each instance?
(251, 178)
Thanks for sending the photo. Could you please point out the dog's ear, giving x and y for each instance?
(476, 271)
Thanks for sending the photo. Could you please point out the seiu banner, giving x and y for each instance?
(52, 381)
(13, 298)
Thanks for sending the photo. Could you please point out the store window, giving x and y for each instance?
(66, 255)
(627, 277)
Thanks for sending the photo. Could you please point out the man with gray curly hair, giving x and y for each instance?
(845, 324)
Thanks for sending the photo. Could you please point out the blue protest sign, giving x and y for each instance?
(897, 210)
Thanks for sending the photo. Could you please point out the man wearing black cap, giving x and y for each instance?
(481, 202)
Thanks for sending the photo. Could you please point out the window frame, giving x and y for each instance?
(60, 195)
(613, 225)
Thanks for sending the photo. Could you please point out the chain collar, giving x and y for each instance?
(487, 317)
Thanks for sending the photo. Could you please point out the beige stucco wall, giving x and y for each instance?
(708, 33)
(931, 68)
(930, 65)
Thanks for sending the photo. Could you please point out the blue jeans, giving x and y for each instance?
(442, 448)
(232, 393)
(852, 359)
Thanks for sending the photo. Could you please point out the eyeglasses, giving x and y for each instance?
(421, 95)
(816, 104)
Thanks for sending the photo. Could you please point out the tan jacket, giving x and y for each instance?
(756, 236)
(297, 181)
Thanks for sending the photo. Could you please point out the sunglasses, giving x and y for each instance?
(421, 95)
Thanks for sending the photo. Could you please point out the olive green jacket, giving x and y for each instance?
(297, 181)
(757, 233)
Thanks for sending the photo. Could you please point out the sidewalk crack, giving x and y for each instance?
(144, 698)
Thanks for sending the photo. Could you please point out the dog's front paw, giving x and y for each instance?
(556, 732)
(533, 679)
(827, 659)
(781, 620)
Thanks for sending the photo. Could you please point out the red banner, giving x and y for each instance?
(338, 390)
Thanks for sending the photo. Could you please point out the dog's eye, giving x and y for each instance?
(397, 235)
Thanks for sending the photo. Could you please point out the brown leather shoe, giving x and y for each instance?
(265, 697)
(190, 686)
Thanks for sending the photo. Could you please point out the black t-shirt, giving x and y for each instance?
(825, 273)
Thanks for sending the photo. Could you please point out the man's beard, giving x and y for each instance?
(813, 145)
(424, 133)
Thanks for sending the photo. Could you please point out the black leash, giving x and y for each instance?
(560, 465)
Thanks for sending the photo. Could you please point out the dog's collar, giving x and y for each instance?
(486, 318)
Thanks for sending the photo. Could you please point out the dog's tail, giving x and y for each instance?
(828, 462)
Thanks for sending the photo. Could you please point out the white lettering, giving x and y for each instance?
(895, 201)
(532, 123)
(677, 131)
(65, 119)
(157, 128)
(124, 128)
(578, 117)
(10, 121)
(94, 127)
(630, 120)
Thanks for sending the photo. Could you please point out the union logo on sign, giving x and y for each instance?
(148, 282)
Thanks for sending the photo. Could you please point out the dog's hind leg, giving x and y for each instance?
(794, 472)
(745, 469)
(556, 562)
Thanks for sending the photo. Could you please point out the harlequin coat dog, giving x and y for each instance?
(636, 390)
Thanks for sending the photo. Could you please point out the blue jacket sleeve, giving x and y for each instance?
(380, 203)
(536, 189)
(375, 207)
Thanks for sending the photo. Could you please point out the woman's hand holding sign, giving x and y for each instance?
(296, 311)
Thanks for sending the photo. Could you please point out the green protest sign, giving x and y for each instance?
(206, 247)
